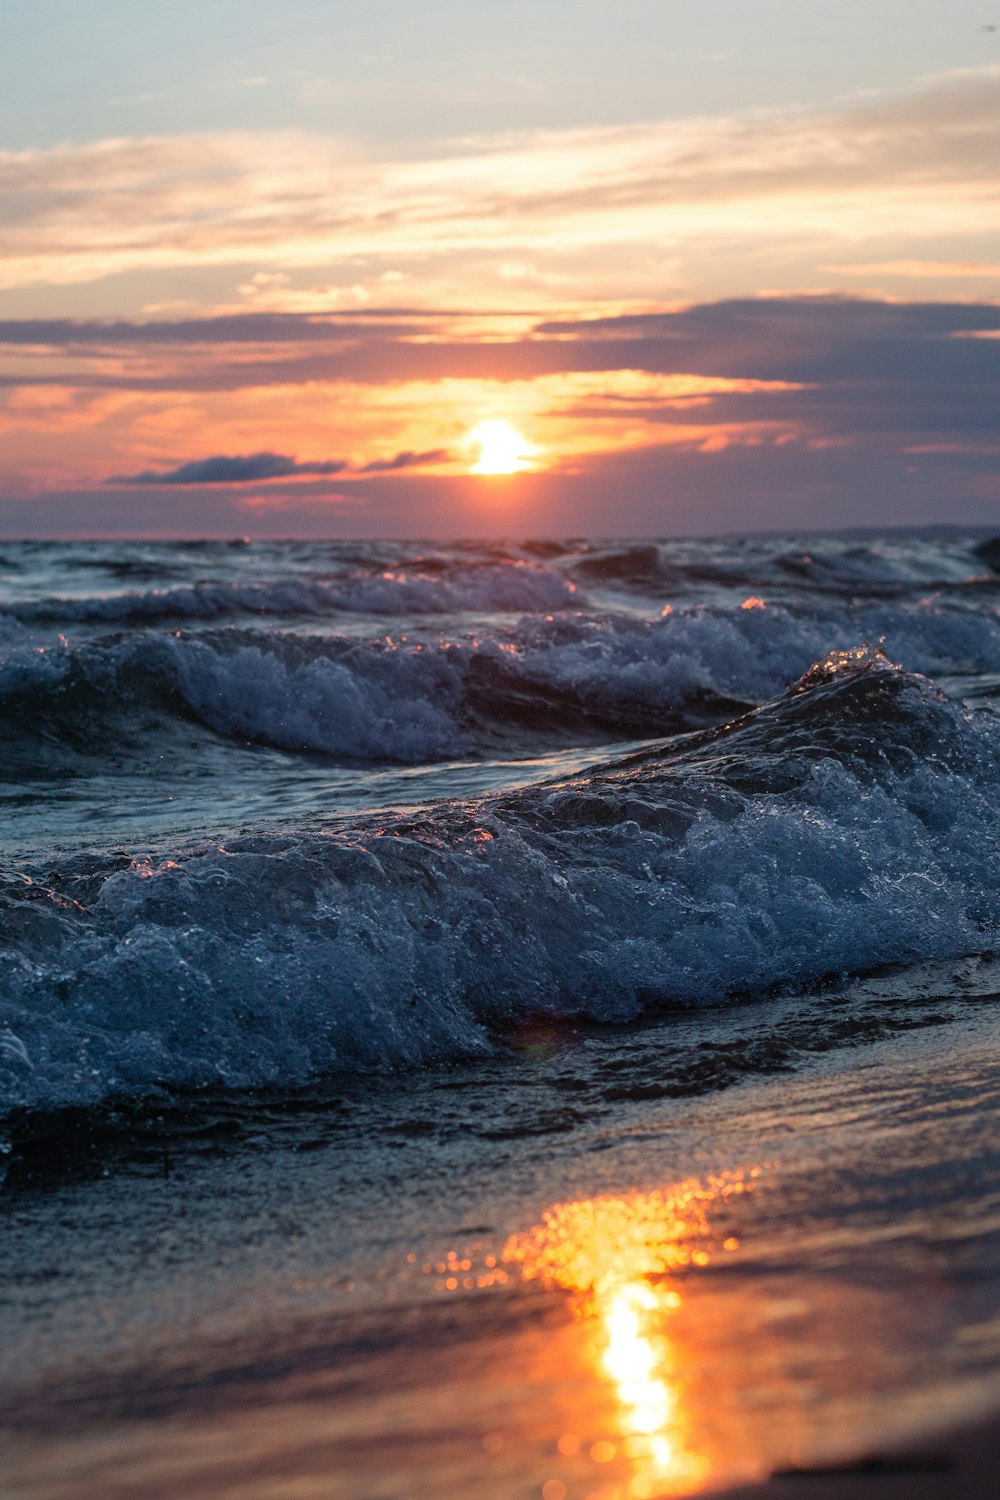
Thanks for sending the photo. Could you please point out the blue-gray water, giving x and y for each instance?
(280, 812)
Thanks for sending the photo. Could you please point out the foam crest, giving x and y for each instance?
(812, 836)
(539, 681)
(511, 587)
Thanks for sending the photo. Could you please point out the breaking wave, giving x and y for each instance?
(502, 588)
(851, 821)
(543, 681)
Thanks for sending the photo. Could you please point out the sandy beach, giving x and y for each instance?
(799, 1274)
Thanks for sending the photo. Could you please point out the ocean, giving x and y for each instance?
(407, 946)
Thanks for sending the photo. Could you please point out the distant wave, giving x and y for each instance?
(547, 681)
(510, 587)
(851, 821)
(221, 582)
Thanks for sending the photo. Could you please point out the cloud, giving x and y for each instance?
(896, 171)
(248, 468)
(879, 377)
(793, 340)
(260, 328)
(662, 491)
(919, 270)
(254, 468)
(861, 341)
(406, 460)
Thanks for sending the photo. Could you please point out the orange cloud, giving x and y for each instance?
(579, 207)
(919, 269)
(379, 396)
(88, 435)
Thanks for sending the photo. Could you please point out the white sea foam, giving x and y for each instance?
(511, 587)
(275, 957)
(417, 701)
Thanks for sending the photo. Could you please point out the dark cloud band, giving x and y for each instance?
(239, 469)
(252, 468)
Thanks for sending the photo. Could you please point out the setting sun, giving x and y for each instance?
(502, 449)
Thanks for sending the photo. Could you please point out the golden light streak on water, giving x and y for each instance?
(616, 1255)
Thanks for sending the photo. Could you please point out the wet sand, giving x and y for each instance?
(959, 1465)
(798, 1274)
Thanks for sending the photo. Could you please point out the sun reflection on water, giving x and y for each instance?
(637, 1360)
(616, 1256)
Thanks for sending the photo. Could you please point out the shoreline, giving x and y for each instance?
(679, 1296)
(958, 1464)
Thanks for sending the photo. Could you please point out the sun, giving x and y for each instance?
(502, 449)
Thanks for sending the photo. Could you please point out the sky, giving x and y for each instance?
(313, 268)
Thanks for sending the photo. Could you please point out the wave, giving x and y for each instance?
(500, 588)
(567, 678)
(853, 570)
(221, 581)
(849, 823)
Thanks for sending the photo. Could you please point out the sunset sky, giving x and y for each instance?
(283, 269)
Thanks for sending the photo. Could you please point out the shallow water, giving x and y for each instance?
(430, 1299)
(561, 909)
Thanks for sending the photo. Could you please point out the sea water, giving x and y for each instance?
(502, 1019)
(277, 811)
